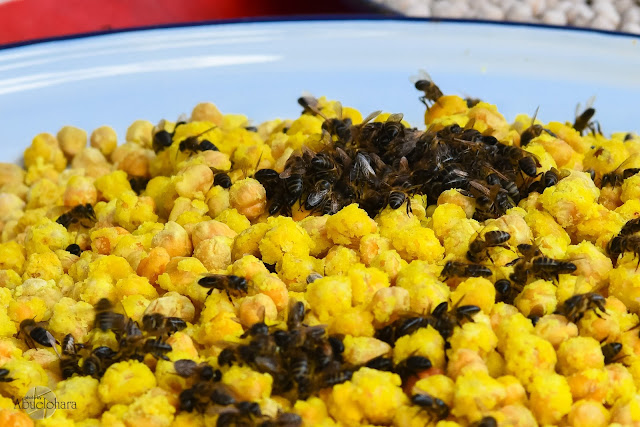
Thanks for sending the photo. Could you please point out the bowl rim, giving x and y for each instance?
(313, 19)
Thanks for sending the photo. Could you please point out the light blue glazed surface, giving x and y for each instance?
(260, 69)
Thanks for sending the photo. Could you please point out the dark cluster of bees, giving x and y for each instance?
(379, 164)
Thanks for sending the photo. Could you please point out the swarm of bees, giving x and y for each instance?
(301, 359)
(134, 341)
(378, 164)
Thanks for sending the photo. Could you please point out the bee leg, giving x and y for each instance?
(229, 296)
(210, 291)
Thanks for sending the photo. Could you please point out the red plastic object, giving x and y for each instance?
(22, 20)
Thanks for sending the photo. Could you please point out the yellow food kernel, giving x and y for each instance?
(236, 221)
(579, 353)
(174, 239)
(550, 397)
(476, 291)
(81, 391)
(388, 302)
(359, 350)
(365, 282)
(72, 140)
(208, 112)
(556, 329)
(349, 225)
(25, 374)
(15, 418)
(104, 139)
(440, 386)
(528, 356)
(425, 342)
(446, 105)
(353, 321)
(45, 147)
(475, 393)
(313, 411)
(475, 336)
(113, 185)
(257, 308)
(285, 236)
(140, 132)
(621, 384)
(537, 298)
(586, 413)
(570, 201)
(329, 296)
(248, 384)
(248, 196)
(425, 290)
(124, 381)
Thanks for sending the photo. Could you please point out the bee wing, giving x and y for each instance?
(422, 75)
(590, 102)
(185, 367)
(370, 117)
(626, 161)
(338, 109)
(52, 341)
(481, 188)
(397, 117)
(362, 166)
(533, 119)
(315, 197)
(182, 118)
(404, 165)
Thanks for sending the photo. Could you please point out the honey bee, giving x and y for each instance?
(230, 284)
(436, 408)
(485, 422)
(77, 215)
(309, 103)
(69, 347)
(533, 131)
(74, 249)
(4, 376)
(460, 269)
(548, 268)
(423, 82)
(411, 366)
(381, 363)
(163, 139)
(138, 184)
(222, 179)
(157, 348)
(575, 307)
(444, 320)
(158, 324)
(191, 145)
(35, 333)
(107, 319)
(583, 119)
(319, 195)
(630, 227)
(188, 368)
(478, 249)
(283, 419)
(313, 276)
(616, 177)
(610, 351)
(621, 244)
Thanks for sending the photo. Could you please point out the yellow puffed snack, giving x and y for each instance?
(217, 271)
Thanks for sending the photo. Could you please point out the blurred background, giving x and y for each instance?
(23, 20)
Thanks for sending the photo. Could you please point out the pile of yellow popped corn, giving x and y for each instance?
(146, 251)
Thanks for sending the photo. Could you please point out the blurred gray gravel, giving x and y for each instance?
(621, 15)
